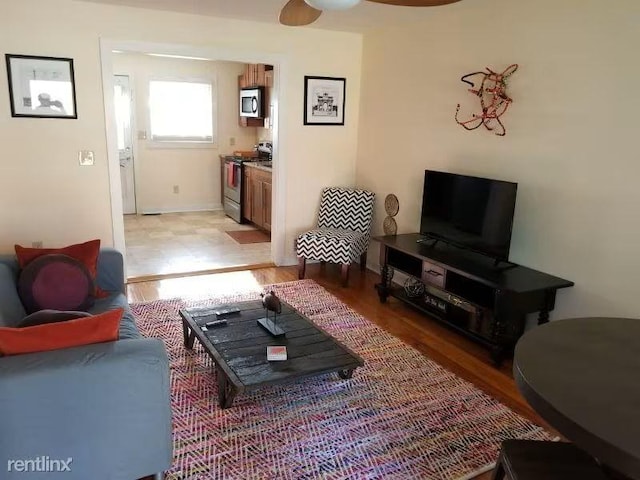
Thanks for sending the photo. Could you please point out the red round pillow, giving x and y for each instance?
(56, 282)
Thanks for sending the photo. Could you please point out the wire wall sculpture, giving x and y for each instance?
(494, 100)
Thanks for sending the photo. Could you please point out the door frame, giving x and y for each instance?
(222, 53)
(134, 136)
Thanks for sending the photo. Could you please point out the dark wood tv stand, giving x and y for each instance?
(467, 291)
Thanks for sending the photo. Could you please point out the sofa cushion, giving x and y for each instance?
(11, 309)
(43, 317)
(54, 336)
(86, 252)
(128, 328)
(56, 282)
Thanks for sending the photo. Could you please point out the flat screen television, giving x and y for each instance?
(469, 212)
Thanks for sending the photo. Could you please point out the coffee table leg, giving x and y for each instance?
(226, 391)
(345, 374)
(188, 334)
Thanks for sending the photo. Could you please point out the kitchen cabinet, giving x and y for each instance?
(246, 200)
(257, 75)
(266, 204)
(268, 99)
(257, 200)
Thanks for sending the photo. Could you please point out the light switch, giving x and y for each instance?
(86, 158)
(142, 134)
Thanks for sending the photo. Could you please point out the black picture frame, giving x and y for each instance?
(324, 100)
(46, 81)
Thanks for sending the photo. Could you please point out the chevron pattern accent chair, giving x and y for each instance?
(343, 231)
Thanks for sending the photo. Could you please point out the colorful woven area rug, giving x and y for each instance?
(401, 416)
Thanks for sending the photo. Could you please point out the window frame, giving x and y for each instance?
(159, 143)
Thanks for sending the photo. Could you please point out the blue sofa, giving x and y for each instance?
(105, 407)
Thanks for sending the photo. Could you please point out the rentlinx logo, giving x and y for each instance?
(39, 464)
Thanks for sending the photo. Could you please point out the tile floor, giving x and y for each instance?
(179, 243)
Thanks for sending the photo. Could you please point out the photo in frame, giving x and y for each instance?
(324, 100)
(41, 87)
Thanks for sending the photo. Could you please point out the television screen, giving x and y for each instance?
(469, 212)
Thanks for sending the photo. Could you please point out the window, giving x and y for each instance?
(181, 111)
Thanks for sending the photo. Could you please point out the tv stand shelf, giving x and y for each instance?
(468, 291)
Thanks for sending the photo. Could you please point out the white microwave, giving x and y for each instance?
(251, 102)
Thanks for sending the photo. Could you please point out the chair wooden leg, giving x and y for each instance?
(363, 261)
(498, 472)
(302, 265)
(345, 274)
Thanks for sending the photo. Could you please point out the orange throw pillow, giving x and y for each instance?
(86, 252)
(53, 336)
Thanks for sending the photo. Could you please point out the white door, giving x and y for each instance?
(123, 105)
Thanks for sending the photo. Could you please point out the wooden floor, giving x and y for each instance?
(463, 357)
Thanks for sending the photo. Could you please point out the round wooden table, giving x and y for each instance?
(582, 375)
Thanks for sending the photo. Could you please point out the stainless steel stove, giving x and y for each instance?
(233, 188)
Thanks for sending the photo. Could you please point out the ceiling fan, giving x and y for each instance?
(303, 12)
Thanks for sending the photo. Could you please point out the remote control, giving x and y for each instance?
(215, 323)
(225, 312)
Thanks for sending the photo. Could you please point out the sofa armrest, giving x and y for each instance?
(11, 309)
(105, 406)
(111, 270)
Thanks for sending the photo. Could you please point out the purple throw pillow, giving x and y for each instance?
(50, 316)
(56, 282)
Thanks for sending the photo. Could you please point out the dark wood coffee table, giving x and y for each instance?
(239, 348)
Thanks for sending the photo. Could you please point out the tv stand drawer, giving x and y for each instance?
(433, 274)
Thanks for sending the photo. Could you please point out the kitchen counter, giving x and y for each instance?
(264, 166)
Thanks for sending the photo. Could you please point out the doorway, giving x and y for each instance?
(212, 223)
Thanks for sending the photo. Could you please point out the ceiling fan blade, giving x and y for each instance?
(296, 13)
(415, 3)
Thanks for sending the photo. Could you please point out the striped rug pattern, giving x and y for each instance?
(401, 416)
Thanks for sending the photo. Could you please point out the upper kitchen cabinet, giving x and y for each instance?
(268, 94)
(254, 75)
(258, 75)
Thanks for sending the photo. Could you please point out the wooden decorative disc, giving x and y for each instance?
(389, 226)
(391, 205)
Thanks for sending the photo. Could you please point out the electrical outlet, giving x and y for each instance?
(232, 141)
(176, 189)
(37, 244)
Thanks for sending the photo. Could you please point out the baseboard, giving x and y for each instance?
(155, 211)
(374, 267)
(166, 276)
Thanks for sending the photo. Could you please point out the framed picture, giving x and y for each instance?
(324, 100)
(41, 87)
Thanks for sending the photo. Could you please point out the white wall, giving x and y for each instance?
(194, 168)
(571, 140)
(47, 196)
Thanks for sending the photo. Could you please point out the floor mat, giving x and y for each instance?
(249, 236)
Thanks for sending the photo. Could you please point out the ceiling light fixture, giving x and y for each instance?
(332, 4)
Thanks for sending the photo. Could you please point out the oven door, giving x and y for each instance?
(233, 180)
